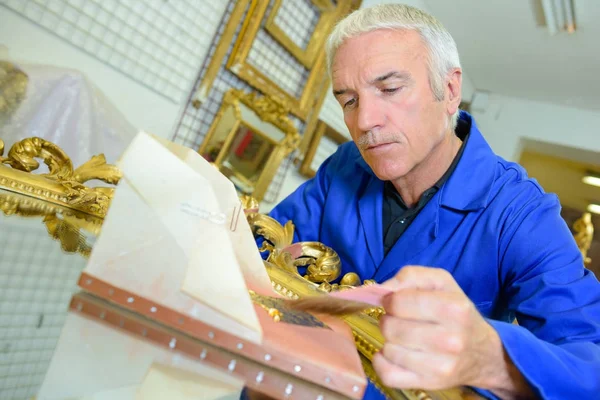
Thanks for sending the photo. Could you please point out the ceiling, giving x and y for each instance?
(504, 50)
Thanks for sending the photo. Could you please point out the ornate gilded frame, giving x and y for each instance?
(269, 110)
(67, 226)
(322, 130)
(62, 185)
(306, 56)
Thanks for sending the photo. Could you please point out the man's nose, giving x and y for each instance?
(370, 115)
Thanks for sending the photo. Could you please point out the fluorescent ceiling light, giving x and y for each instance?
(594, 208)
(560, 15)
(591, 180)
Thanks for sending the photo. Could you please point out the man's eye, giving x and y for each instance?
(349, 103)
(390, 90)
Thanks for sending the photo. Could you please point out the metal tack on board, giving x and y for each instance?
(288, 389)
(231, 366)
(260, 377)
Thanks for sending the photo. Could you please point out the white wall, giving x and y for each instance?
(143, 108)
(507, 122)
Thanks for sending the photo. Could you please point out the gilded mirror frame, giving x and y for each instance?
(270, 111)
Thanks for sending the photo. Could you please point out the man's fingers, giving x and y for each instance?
(430, 368)
(420, 336)
(427, 306)
(424, 278)
(394, 376)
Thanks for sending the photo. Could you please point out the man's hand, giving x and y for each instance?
(436, 338)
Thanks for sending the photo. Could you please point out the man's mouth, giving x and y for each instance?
(378, 145)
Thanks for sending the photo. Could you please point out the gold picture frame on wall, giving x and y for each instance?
(248, 139)
(249, 14)
(308, 55)
(302, 105)
(322, 131)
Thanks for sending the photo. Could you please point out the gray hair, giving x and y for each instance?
(443, 54)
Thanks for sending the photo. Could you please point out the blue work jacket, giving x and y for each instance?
(500, 236)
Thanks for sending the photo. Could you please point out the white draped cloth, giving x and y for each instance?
(64, 107)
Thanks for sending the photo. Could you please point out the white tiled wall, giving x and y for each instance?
(298, 20)
(271, 58)
(326, 148)
(161, 44)
(331, 113)
(37, 281)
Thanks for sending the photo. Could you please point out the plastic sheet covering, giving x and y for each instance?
(64, 107)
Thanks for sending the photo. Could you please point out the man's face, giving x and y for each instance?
(381, 80)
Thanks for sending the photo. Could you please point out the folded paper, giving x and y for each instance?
(171, 226)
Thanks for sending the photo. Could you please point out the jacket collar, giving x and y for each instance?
(469, 186)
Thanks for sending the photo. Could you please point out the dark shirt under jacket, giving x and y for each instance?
(396, 215)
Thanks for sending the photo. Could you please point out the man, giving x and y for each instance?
(419, 202)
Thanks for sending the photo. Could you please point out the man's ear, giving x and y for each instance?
(453, 90)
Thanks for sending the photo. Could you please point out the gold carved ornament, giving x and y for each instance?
(62, 185)
(62, 224)
(323, 266)
(270, 109)
(584, 233)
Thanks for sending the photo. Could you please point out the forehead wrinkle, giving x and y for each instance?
(366, 61)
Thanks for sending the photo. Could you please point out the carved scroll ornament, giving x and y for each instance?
(62, 185)
(584, 233)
